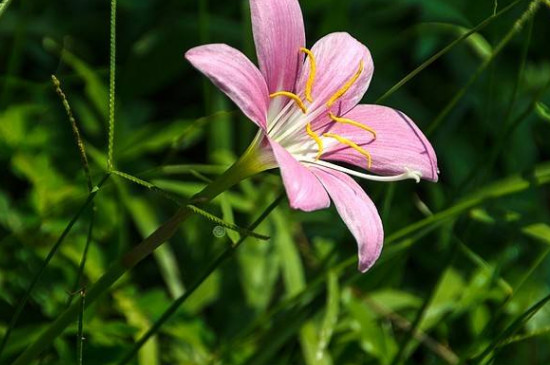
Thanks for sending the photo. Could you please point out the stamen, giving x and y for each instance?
(346, 86)
(292, 96)
(316, 138)
(353, 123)
(351, 144)
(312, 72)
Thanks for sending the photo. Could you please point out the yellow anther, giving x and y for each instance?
(353, 123)
(312, 72)
(351, 144)
(316, 138)
(347, 85)
(292, 96)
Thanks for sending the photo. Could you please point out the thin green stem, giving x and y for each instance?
(450, 46)
(80, 332)
(45, 263)
(112, 77)
(78, 284)
(197, 210)
(521, 69)
(246, 166)
(222, 258)
(516, 28)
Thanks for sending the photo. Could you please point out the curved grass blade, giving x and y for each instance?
(211, 268)
(450, 46)
(510, 330)
(516, 28)
(537, 232)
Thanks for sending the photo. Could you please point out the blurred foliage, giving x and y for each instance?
(456, 287)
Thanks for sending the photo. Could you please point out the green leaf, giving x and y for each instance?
(539, 231)
(543, 111)
(448, 292)
(395, 300)
(149, 354)
(373, 337)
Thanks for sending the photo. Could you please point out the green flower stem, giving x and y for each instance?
(249, 164)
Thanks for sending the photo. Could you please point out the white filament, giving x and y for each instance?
(408, 174)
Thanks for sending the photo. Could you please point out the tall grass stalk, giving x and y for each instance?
(112, 84)
(76, 132)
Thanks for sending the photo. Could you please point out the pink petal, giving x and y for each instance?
(338, 56)
(357, 211)
(234, 74)
(304, 190)
(399, 143)
(279, 34)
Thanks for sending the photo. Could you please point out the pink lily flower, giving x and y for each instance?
(305, 103)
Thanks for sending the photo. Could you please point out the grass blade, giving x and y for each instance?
(516, 28)
(213, 266)
(80, 274)
(46, 261)
(510, 330)
(450, 46)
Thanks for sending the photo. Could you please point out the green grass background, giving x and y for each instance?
(464, 276)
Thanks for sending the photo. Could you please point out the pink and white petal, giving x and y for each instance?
(357, 211)
(399, 143)
(279, 34)
(304, 190)
(338, 57)
(234, 74)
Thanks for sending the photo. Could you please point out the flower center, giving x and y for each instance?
(302, 117)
